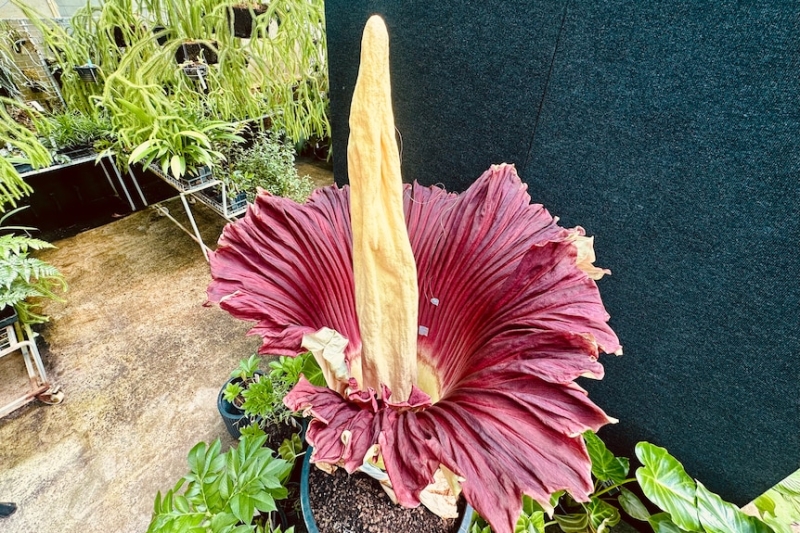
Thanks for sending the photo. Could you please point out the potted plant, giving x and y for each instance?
(70, 132)
(154, 129)
(191, 51)
(450, 328)
(250, 397)
(267, 163)
(231, 491)
(230, 399)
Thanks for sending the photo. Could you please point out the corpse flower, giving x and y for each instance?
(450, 327)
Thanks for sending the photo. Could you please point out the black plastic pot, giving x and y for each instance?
(162, 35)
(119, 36)
(191, 51)
(190, 181)
(88, 73)
(8, 315)
(308, 515)
(232, 416)
(241, 20)
(237, 201)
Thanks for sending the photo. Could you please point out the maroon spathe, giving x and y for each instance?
(508, 322)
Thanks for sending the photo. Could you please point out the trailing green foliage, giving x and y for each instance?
(686, 505)
(230, 492)
(280, 74)
(26, 143)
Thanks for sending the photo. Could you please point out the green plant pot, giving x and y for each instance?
(232, 416)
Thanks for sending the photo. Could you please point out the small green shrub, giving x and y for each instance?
(269, 164)
(73, 130)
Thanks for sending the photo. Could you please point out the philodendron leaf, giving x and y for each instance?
(604, 465)
(666, 484)
(719, 516)
(765, 505)
(532, 518)
(533, 523)
(313, 372)
(661, 523)
(573, 523)
(602, 515)
(632, 505)
(290, 449)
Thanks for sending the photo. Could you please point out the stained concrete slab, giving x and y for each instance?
(140, 360)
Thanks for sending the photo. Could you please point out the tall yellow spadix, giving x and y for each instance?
(383, 264)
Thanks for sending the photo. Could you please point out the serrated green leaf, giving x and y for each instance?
(632, 505)
(180, 503)
(220, 521)
(665, 483)
(264, 502)
(719, 516)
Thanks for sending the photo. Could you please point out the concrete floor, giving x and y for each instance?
(140, 361)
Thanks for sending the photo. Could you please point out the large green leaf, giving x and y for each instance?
(141, 151)
(313, 372)
(632, 505)
(666, 484)
(719, 516)
(604, 465)
(765, 505)
(661, 523)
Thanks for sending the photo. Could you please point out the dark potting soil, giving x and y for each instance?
(356, 503)
(277, 433)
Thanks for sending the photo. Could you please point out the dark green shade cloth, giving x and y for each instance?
(670, 131)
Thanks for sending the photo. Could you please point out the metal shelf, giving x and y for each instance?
(198, 189)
